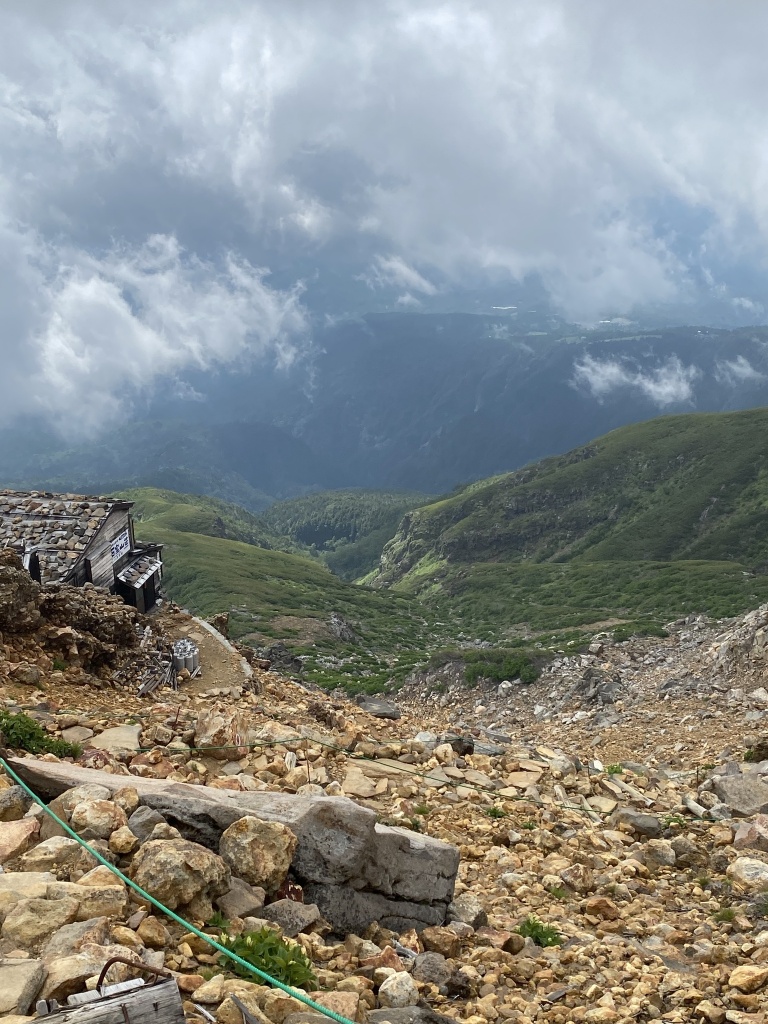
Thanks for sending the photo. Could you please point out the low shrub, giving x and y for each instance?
(23, 733)
(542, 934)
(266, 950)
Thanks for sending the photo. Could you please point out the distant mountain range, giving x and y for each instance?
(405, 402)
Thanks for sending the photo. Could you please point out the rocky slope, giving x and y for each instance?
(611, 800)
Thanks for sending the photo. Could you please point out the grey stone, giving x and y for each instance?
(120, 740)
(69, 938)
(242, 900)
(378, 708)
(14, 803)
(745, 795)
(469, 910)
(432, 968)
(76, 734)
(142, 821)
(20, 981)
(644, 824)
(687, 853)
(294, 918)
(349, 910)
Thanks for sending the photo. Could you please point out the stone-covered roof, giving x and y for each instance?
(61, 526)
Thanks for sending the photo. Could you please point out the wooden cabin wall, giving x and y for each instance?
(99, 552)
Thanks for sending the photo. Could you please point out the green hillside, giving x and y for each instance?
(657, 519)
(275, 595)
(348, 527)
(196, 513)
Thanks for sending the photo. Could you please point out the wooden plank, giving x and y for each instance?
(153, 1004)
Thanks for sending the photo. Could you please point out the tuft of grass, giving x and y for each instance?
(614, 769)
(423, 809)
(542, 934)
(23, 733)
(496, 812)
(265, 949)
(725, 915)
(529, 825)
(559, 892)
(674, 821)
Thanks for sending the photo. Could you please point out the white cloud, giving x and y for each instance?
(105, 327)
(668, 384)
(394, 271)
(579, 142)
(737, 371)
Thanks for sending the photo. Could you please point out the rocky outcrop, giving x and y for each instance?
(357, 871)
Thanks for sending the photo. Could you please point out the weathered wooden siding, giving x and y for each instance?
(99, 550)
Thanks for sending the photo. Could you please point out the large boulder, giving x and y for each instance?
(749, 872)
(120, 740)
(224, 735)
(181, 874)
(745, 795)
(752, 835)
(356, 870)
(641, 823)
(398, 990)
(15, 837)
(259, 851)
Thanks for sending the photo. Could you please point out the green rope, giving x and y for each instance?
(175, 917)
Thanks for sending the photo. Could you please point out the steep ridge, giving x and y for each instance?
(679, 496)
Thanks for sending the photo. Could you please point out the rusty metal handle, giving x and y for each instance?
(159, 972)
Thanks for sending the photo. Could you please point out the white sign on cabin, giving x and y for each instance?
(121, 545)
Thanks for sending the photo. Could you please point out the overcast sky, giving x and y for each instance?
(176, 177)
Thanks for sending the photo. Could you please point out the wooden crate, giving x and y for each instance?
(153, 1004)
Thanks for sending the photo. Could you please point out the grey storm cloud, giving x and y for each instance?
(158, 160)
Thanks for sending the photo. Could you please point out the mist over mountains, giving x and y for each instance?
(403, 401)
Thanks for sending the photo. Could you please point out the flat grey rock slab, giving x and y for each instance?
(20, 981)
(379, 708)
(118, 740)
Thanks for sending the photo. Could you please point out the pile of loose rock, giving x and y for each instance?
(422, 857)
